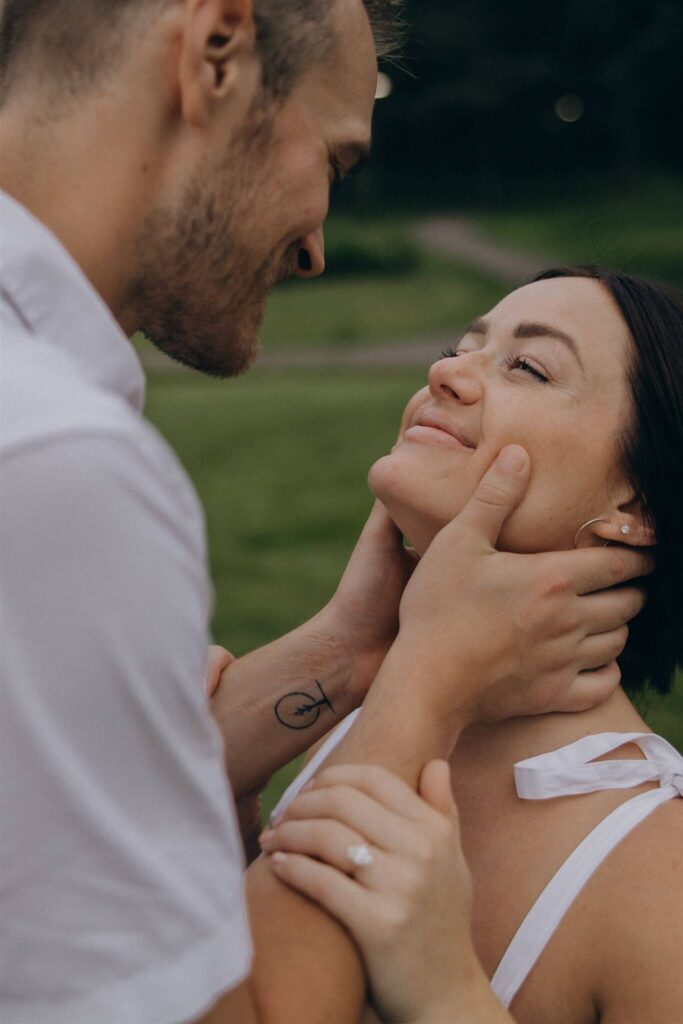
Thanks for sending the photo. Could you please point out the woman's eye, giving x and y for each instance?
(448, 353)
(520, 363)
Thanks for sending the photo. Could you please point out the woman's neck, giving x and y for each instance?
(507, 742)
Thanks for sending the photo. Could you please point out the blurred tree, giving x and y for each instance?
(474, 111)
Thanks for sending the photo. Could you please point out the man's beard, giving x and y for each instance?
(199, 293)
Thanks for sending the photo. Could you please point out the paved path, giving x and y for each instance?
(464, 239)
(450, 236)
(415, 352)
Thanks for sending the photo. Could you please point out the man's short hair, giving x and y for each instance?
(72, 44)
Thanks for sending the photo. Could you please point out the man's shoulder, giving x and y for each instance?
(52, 414)
(44, 396)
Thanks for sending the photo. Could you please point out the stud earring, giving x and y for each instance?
(625, 529)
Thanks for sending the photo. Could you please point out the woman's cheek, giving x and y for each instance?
(409, 412)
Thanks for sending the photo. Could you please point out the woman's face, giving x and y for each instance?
(545, 369)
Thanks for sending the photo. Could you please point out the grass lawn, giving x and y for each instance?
(280, 460)
(378, 286)
(639, 230)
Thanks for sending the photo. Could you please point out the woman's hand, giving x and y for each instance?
(408, 907)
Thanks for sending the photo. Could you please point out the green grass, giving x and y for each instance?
(639, 230)
(378, 286)
(280, 461)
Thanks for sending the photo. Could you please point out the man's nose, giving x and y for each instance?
(311, 255)
(456, 377)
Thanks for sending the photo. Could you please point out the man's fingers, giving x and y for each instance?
(381, 528)
(591, 688)
(611, 609)
(499, 492)
(602, 649)
(218, 659)
(601, 568)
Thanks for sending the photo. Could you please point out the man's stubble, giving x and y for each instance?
(200, 288)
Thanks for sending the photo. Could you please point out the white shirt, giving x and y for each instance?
(121, 893)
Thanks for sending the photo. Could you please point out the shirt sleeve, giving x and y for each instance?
(120, 860)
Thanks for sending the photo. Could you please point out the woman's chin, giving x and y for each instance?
(418, 524)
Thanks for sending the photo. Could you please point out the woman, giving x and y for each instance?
(584, 369)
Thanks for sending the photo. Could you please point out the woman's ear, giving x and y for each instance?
(626, 525)
(218, 42)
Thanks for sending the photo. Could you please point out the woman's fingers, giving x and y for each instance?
(353, 809)
(341, 896)
(435, 787)
(326, 840)
(376, 782)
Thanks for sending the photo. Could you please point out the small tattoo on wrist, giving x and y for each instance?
(299, 710)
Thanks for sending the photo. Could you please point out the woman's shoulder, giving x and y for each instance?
(634, 914)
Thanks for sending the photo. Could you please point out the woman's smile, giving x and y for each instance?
(434, 435)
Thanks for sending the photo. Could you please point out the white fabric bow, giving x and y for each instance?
(572, 769)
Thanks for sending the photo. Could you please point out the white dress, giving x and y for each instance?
(571, 770)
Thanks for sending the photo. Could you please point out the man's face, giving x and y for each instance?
(252, 214)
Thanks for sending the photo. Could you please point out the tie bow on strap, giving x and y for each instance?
(674, 779)
(572, 769)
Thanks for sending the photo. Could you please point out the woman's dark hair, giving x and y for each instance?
(652, 458)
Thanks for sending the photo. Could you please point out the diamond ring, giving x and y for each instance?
(359, 855)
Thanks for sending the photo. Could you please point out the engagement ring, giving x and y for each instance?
(359, 855)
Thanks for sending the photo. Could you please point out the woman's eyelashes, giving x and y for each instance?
(522, 363)
(512, 362)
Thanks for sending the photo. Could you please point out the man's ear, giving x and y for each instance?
(217, 50)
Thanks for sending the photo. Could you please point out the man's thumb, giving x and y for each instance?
(499, 492)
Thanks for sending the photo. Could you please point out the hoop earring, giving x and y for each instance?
(599, 519)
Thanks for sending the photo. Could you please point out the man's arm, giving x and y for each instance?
(274, 703)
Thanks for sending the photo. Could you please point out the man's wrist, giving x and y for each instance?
(433, 692)
(361, 662)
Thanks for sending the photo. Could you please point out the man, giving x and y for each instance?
(165, 162)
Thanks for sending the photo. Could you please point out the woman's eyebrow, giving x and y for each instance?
(533, 330)
(530, 330)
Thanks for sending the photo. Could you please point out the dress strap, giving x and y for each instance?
(321, 755)
(563, 772)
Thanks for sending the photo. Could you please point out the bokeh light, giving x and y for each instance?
(569, 108)
(384, 86)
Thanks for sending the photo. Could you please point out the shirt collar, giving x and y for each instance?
(57, 303)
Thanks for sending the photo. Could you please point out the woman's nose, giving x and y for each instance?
(311, 255)
(455, 377)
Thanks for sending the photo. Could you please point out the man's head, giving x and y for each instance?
(239, 118)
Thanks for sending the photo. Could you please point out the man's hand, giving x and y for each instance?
(363, 613)
(486, 635)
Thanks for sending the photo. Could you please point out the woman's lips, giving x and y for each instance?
(434, 435)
